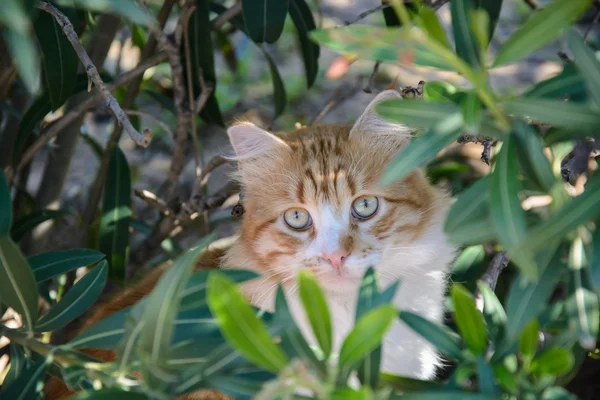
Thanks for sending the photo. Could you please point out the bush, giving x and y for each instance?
(523, 334)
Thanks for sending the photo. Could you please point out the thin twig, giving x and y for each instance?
(532, 4)
(365, 14)
(335, 100)
(226, 16)
(201, 179)
(94, 76)
(369, 86)
(499, 262)
(152, 200)
(162, 124)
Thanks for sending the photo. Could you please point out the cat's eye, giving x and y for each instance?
(365, 207)
(297, 218)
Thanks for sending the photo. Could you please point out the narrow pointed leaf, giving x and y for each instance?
(530, 151)
(471, 205)
(240, 325)
(17, 363)
(6, 211)
(472, 112)
(468, 320)
(586, 63)
(105, 334)
(545, 25)
(29, 222)
(493, 9)
(446, 341)
(486, 378)
(466, 43)
(127, 9)
(469, 264)
(416, 113)
(25, 55)
(60, 60)
(557, 113)
(302, 18)
(77, 300)
(264, 19)
(116, 215)
(568, 83)
(528, 341)
(17, 284)
(493, 313)
(28, 384)
(279, 96)
(53, 263)
(316, 310)
(429, 20)
(554, 361)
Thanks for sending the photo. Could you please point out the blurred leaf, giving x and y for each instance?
(104, 334)
(109, 393)
(530, 151)
(95, 146)
(493, 9)
(568, 83)
(525, 299)
(446, 341)
(486, 378)
(468, 264)
(29, 222)
(302, 17)
(138, 36)
(351, 394)
(279, 96)
(392, 44)
(416, 113)
(316, 310)
(574, 213)
(586, 63)
(28, 385)
(202, 59)
(444, 394)
(558, 393)
(6, 212)
(17, 283)
(17, 363)
(25, 57)
(116, 215)
(240, 325)
(238, 386)
(15, 16)
(53, 263)
(555, 112)
(468, 320)
(366, 335)
(405, 384)
(505, 378)
(582, 303)
(419, 151)
(493, 313)
(127, 9)
(439, 91)
(161, 308)
(466, 44)
(545, 25)
(60, 60)
(472, 112)
(264, 19)
(554, 361)
(428, 19)
(508, 216)
(77, 300)
(528, 341)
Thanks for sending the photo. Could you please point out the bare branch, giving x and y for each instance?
(162, 124)
(201, 179)
(94, 76)
(369, 86)
(153, 201)
(532, 4)
(226, 16)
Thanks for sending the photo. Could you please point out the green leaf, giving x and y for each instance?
(530, 151)
(575, 212)
(466, 44)
(446, 341)
(5, 206)
(238, 386)
(468, 264)
(505, 378)
(279, 96)
(472, 112)
(586, 62)
(525, 299)
(17, 363)
(25, 56)
(582, 303)
(554, 361)
(29, 222)
(240, 325)
(568, 83)
(109, 393)
(302, 18)
(316, 310)
(444, 394)
(351, 394)
(202, 59)
(53, 263)
(116, 215)
(416, 113)
(470, 206)
(545, 25)
(430, 22)
(264, 19)
(15, 16)
(558, 393)
(366, 335)
(77, 300)
(419, 151)
(439, 91)
(493, 313)
(508, 216)
(468, 320)
(493, 8)
(127, 9)
(557, 113)
(28, 385)
(162, 305)
(528, 341)
(17, 283)
(60, 60)
(486, 378)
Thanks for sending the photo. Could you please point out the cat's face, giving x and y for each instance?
(312, 199)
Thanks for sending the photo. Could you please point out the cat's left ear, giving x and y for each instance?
(371, 125)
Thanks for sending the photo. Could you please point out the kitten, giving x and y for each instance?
(312, 200)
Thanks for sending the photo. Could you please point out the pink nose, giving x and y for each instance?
(336, 258)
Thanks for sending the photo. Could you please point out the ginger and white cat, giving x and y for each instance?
(312, 200)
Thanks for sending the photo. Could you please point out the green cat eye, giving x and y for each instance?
(365, 207)
(297, 218)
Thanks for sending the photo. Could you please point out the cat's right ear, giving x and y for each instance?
(249, 141)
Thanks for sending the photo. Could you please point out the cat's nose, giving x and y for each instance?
(336, 258)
